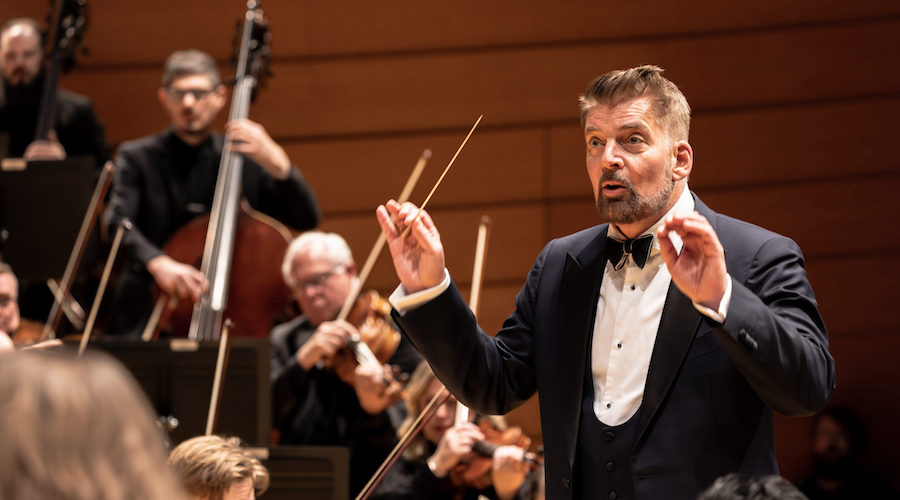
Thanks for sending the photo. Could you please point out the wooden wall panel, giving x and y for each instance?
(863, 387)
(857, 293)
(449, 90)
(138, 33)
(761, 146)
(357, 174)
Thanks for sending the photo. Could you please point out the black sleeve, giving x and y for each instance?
(124, 202)
(290, 201)
(288, 379)
(79, 130)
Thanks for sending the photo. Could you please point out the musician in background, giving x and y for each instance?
(216, 467)
(432, 464)
(312, 405)
(9, 295)
(76, 132)
(165, 180)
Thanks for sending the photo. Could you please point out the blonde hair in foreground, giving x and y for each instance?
(208, 465)
(78, 429)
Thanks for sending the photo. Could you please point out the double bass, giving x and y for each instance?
(241, 249)
(68, 35)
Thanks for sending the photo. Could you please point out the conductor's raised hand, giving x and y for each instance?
(699, 271)
(419, 256)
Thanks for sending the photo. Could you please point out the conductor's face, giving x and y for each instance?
(631, 163)
(20, 52)
(192, 103)
(321, 286)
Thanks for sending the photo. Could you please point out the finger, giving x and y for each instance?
(238, 124)
(407, 213)
(386, 223)
(345, 328)
(666, 247)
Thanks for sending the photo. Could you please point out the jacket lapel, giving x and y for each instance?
(579, 292)
(677, 327)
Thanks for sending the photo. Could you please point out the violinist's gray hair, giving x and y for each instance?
(315, 243)
(78, 429)
(189, 63)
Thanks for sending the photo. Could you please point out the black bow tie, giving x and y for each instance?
(639, 248)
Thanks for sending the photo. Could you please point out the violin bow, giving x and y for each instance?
(431, 408)
(364, 354)
(221, 363)
(63, 301)
(124, 225)
(484, 228)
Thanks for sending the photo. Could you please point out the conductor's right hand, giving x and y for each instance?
(176, 278)
(327, 340)
(419, 257)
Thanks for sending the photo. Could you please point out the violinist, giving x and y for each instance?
(77, 131)
(165, 180)
(312, 403)
(9, 313)
(430, 466)
(9, 307)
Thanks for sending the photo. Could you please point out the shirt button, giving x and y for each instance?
(619, 345)
(608, 405)
(609, 436)
(632, 287)
(612, 495)
(610, 466)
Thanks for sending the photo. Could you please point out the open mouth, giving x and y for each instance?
(612, 188)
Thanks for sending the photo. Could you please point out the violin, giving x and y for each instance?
(377, 341)
(474, 470)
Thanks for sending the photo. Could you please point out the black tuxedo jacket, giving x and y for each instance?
(710, 390)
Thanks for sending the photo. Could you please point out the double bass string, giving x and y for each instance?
(441, 178)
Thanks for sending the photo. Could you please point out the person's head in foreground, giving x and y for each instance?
(217, 468)
(76, 428)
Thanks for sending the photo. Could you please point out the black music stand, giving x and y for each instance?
(177, 376)
(308, 472)
(41, 210)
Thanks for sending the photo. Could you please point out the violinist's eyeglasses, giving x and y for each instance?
(178, 95)
(320, 279)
